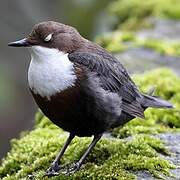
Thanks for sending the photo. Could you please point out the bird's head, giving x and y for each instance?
(52, 34)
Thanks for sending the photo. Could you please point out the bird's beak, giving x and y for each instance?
(21, 43)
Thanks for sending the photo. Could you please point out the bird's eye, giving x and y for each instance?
(48, 37)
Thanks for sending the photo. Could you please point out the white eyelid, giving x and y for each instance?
(48, 37)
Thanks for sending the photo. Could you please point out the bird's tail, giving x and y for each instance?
(154, 101)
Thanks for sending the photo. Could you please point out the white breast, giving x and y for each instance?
(50, 71)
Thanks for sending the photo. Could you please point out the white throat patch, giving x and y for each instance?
(50, 71)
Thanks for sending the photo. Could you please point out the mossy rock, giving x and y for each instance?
(117, 41)
(120, 41)
(112, 158)
(167, 85)
(133, 14)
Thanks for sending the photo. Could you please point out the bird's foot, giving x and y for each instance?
(53, 170)
(73, 168)
(30, 177)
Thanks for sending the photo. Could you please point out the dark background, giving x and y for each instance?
(17, 17)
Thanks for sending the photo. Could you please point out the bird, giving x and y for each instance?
(80, 86)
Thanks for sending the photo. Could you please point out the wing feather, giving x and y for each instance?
(113, 78)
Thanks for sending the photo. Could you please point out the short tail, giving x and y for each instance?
(153, 101)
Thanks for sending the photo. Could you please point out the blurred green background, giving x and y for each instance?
(143, 34)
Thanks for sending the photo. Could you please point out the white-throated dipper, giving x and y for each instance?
(80, 86)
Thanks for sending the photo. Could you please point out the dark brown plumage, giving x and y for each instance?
(103, 95)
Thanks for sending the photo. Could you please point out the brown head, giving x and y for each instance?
(52, 35)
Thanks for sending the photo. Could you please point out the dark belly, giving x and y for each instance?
(76, 112)
(71, 111)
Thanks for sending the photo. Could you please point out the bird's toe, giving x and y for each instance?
(73, 168)
(53, 170)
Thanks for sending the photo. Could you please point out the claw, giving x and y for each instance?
(73, 168)
(30, 177)
(51, 174)
(53, 170)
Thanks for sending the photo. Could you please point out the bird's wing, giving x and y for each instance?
(113, 78)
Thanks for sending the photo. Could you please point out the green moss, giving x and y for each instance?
(116, 41)
(167, 86)
(119, 41)
(133, 14)
(111, 158)
(156, 120)
(162, 46)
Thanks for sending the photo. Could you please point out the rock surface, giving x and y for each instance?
(173, 144)
(139, 60)
(163, 29)
(172, 141)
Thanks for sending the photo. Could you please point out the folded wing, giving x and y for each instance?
(113, 79)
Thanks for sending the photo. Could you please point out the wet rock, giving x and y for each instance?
(172, 141)
(163, 29)
(142, 175)
(139, 60)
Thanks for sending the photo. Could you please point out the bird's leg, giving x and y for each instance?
(76, 166)
(54, 168)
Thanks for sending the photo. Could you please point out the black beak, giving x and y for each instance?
(21, 43)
